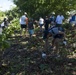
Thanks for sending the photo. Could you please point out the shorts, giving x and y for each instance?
(31, 31)
(23, 26)
(41, 25)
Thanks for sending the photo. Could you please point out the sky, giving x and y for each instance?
(6, 5)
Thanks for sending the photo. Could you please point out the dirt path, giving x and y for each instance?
(24, 58)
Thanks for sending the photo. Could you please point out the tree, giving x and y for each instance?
(36, 8)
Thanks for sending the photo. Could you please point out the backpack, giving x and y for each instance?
(46, 32)
(55, 30)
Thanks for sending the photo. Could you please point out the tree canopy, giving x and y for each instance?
(43, 7)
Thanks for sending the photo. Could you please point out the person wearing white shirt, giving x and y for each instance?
(23, 22)
(41, 23)
(59, 20)
(2, 25)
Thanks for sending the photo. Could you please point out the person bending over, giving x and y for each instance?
(58, 34)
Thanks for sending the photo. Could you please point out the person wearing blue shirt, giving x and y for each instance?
(73, 19)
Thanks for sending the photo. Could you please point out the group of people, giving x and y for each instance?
(43, 22)
(52, 27)
(55, 29)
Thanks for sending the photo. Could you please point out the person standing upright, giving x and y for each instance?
(31, 27)
(73, 20)
(52, 19)
(41, 23)
(59, 20)
(24, 22)
(46, 23)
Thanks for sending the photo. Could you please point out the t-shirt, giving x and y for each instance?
(2, 24)
(55, 30)
(59, 19)
(23, 20)
(41, 21)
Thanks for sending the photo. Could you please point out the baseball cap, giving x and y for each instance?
(25, 13)
(53, 13)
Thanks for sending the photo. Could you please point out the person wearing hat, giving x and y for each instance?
(23, 22)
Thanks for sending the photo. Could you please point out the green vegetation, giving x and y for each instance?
(22, 55)
(37, 8)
